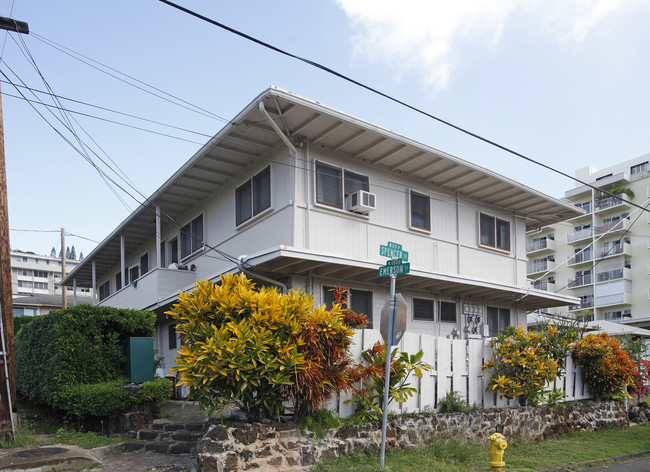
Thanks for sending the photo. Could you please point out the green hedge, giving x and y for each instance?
(21, 321)
(157, 392)
(65, 349)
(104, 399)
(107, 399)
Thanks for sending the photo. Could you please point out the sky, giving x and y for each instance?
(564, 82)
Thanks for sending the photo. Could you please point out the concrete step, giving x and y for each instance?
(161, 447)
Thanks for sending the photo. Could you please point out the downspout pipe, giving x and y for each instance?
(277, 129)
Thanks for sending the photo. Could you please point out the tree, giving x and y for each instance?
(73, 253)
(67, 252)
(53, 252)
(81, 256)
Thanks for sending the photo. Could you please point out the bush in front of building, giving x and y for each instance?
(258, 348)
(606, 366)
(525, 362)
(156, 392)
(65, 349)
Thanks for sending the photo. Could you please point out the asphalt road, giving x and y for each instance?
(637, 465)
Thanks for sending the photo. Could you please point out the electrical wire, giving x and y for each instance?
(106, 120)
(129, 115)
(382, 94)
(162, 94)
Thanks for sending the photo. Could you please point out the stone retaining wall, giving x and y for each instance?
(270, 447)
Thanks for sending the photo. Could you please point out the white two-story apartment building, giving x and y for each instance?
(302, 196)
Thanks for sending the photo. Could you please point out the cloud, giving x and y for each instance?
(425, 36)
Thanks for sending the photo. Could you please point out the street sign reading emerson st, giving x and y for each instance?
(397, 269)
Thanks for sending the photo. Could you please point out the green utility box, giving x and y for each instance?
(139, 359)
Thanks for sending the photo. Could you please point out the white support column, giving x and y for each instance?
(122, 268)
(94, 283)
(74, 292)
(158, 239)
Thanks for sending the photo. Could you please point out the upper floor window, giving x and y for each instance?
(118, 281)
(191, 237)
(494, 232)
(18, 259)
(420, 209)
(586, 206)
(253, 196)
(333, 184)
(637, 169)
(104, 290)
(40, 273)
(144, 263)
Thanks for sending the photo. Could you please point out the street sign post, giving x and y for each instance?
(393, 328)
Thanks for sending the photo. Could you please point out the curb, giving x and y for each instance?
(598, 462)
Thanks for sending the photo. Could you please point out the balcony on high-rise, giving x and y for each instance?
(585, 255)
(619, 201)
(579, 235)
(542, 244)
(611, 227)
(580, 280)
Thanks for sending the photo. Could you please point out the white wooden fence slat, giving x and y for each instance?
(444, 368)
(428, 381)
(458, 367)
(474, 371)
(410, 343)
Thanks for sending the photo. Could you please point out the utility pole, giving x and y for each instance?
(8, 370)
(64, 304)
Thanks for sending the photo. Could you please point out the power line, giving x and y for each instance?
(99, 107)
(162, 94)
(114, 122)
(384, 95)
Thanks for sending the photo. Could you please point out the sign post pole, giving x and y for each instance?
(391, 328)
(389, 352)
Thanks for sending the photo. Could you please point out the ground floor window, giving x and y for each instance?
(423, 309)
(498, 319)
(447, 312)
(359, 301)
(171, 336)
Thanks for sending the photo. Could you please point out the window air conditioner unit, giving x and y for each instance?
(360, 202)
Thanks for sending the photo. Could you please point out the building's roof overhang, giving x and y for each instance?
(282, 261)
(249, 138)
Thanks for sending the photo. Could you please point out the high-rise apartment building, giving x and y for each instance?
(35, 283)
(603, 256)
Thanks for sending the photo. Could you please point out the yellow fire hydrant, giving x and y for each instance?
(498, 445)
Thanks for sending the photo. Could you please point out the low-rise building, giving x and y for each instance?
(301, 196)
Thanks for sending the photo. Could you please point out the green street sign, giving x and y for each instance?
(403, 268)
(394, 262)
(394, 251)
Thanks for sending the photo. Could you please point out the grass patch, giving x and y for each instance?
(43, 427)
(456, 456)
